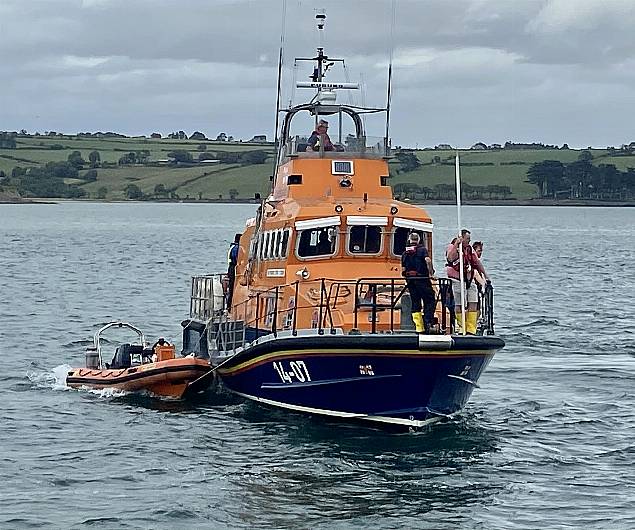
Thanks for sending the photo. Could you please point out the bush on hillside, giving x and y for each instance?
(181, 156)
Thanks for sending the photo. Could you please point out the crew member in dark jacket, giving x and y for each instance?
(321, 135)
(232, 260)
(417, 269)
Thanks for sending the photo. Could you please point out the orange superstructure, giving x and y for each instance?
(331, 215)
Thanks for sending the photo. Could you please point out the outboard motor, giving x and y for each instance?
(92, 358)
(194, 339)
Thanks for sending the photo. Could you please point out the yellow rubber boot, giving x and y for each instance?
(458, 322)
(471, 317)
(418, 321)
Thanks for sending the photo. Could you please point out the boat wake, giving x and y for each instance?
(55, 379)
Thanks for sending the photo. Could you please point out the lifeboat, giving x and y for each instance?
(314, 315)
(139, 367)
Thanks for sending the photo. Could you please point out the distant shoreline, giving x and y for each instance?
(492, 202)
(535, 202)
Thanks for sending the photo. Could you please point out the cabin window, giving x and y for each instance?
(315, 242)
(400, 238)
(294, 179)
(253, 246)
(276, 246)
(285, 242)
(269, 244)
(263, 249)
(272, 245)
(342, 167)
(364, 239)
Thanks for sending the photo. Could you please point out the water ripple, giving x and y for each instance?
(546, 442)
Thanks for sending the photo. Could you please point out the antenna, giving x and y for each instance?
(260, 214)
(325, 91)
(388, 95)
(320, 21)
(278, 95)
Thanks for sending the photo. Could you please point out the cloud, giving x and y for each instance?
(465, 70)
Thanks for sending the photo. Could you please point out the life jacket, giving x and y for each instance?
(469, 262)
(328, 145)
(413, 261)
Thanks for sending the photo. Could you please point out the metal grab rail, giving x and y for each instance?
(442, 284)
(274, 293)
(372, 293)
(443, 294)
(119, 324)
(487, 308)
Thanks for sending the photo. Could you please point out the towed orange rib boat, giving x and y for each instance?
(140, 367)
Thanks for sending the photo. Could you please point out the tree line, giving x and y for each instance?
(8, 140)
(47, 181)
(225, 157)
(446, 192)
(581, 179)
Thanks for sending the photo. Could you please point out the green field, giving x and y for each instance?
(209, 181)
(500, 173)
(215, 180)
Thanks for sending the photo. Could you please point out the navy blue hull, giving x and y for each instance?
(394, 379)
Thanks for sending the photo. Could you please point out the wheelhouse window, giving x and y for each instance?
(276, 244)
(285, 242)
(400, 238)
(272, 244)
(314, 242)
(261, 246)
(268, 240)
(364, 239)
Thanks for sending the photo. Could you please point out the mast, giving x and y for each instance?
(457, 172)
(276, 140)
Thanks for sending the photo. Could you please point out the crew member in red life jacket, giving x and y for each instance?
(416, 267)
(477, 247)
(471, 264)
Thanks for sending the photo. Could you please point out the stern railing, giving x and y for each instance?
(261, 314)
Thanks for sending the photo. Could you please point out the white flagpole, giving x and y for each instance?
(458, 216)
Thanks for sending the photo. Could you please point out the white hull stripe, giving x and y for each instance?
(340, 414)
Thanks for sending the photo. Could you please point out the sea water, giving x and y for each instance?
(546, 442)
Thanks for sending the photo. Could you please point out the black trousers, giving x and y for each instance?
(231, 276)
(421, 294)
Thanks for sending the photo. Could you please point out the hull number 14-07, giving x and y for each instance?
(297, 372)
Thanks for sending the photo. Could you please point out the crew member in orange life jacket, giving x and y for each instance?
(471, 263)
(416, 267)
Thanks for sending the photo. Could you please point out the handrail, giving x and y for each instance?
(488, 308)
(370, 294)
(119, 324)
(486, 300)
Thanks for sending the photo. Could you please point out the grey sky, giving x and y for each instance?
(466, 70)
